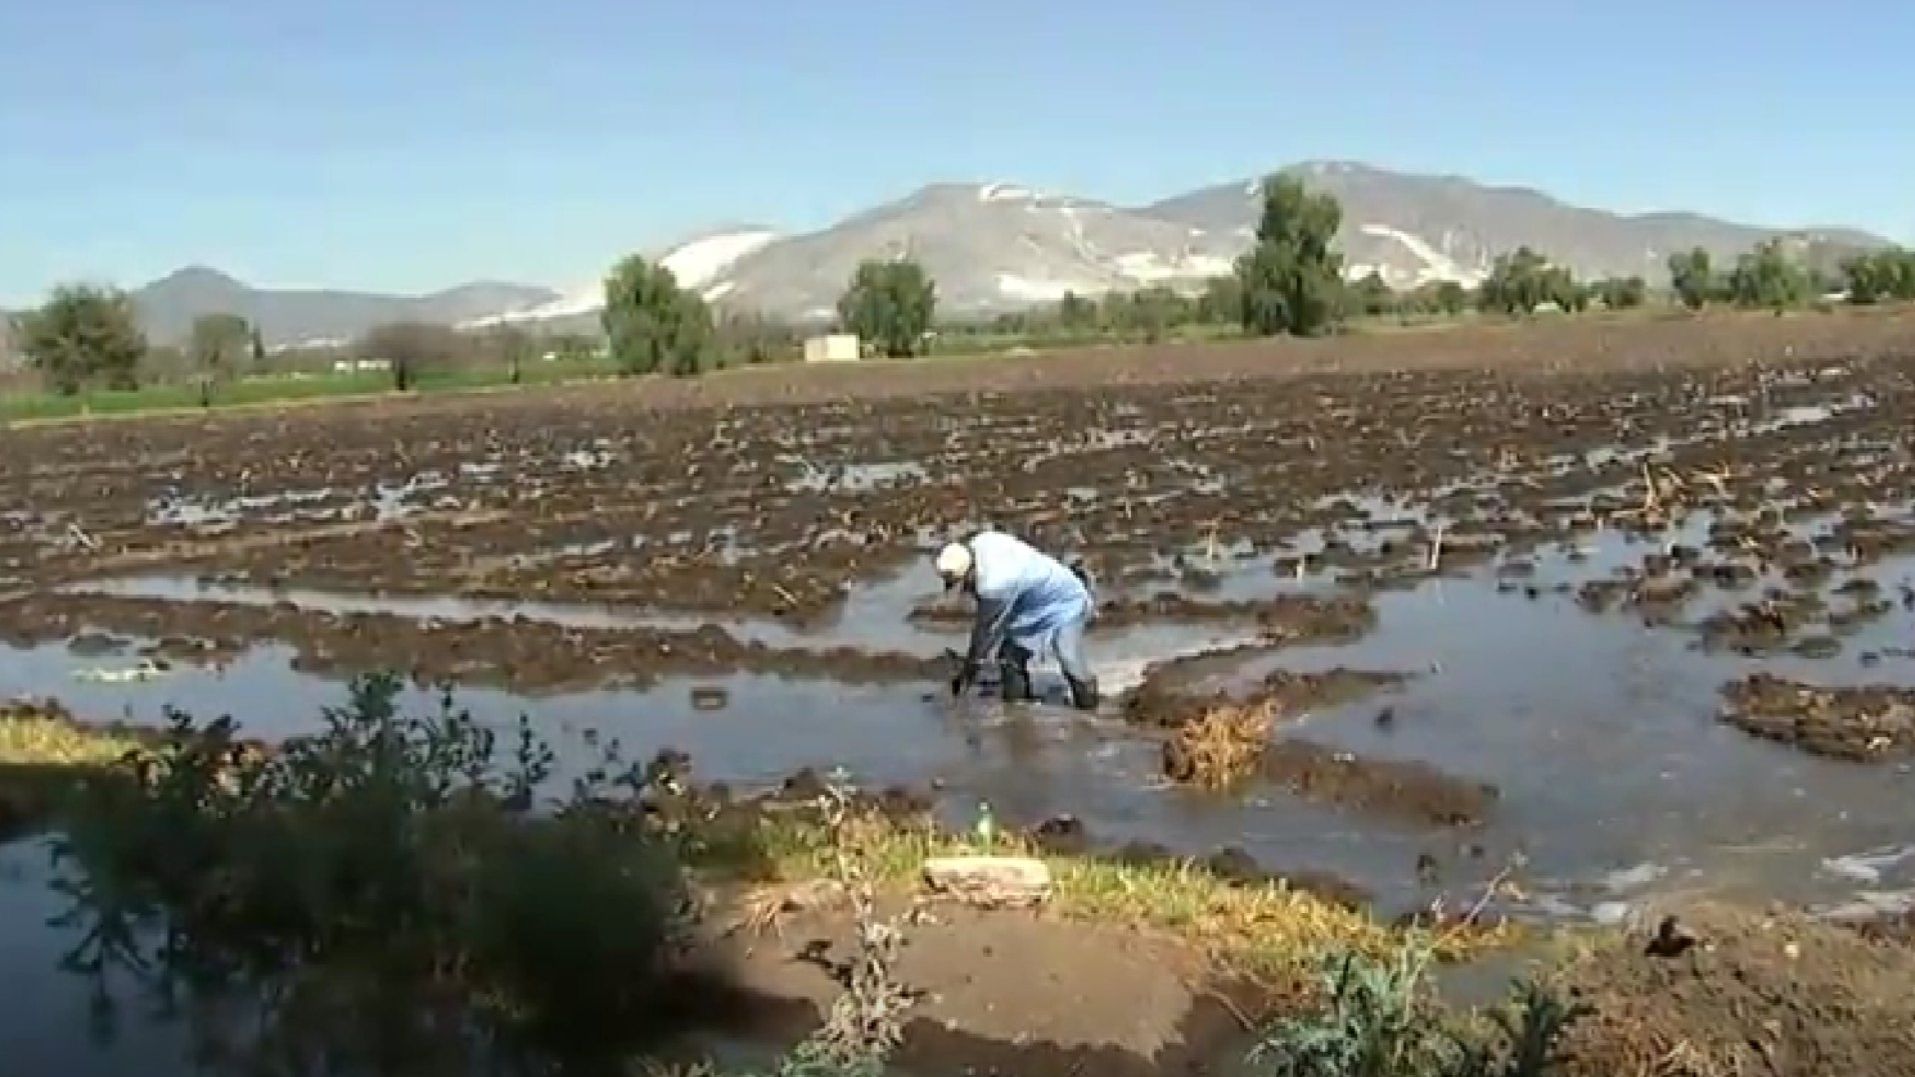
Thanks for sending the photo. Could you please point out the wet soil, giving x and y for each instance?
(1755, 994)
(1179, 690)
(1003, 992)
(1551, 545)
(1742, 486)
(521, 654)
(1875, 723)
(700, 497)
(1411, 791)
(1173, 694)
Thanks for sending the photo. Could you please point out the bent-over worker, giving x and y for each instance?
(1027, 602)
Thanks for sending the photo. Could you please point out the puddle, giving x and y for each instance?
(1615, 776)
(872, 611)
(1616, 779)
(873, 618)
(380, 501)
(858, 476)
(39, 1027)
(1618, 782)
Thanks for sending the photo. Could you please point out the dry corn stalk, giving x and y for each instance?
(1222, 745)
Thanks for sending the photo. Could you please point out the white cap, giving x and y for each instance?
(954, 561)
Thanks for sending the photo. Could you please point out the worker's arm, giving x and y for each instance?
(987, 632)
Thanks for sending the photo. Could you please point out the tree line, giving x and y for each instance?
(89, 337)
(652, 325)
(1291, 281)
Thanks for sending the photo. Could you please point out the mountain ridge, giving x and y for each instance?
(997, 246)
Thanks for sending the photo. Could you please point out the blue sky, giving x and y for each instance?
(411, 145)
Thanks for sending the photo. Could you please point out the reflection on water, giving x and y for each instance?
(43, 1027)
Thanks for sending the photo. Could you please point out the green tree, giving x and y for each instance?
(1076, 314)
(1221, 302)
(1692, 277)
(259, 349)
(1292, 279)
(1523, 280)
(573, 347)
(1874, 276)
(890, 303)
(1148, 314)
(654, 325)
(218, 345)
(1768, 277)
(83, 335)
(1623, 293)
(755, 339)
(1445, 297)
(413, 348)
(1559, 286)
(510, 346)
(1372, 296)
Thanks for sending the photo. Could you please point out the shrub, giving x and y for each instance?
(380, 896)
(1377, 1021)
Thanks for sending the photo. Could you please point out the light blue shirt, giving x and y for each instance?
(1027, 593)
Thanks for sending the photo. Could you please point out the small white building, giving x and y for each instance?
(832, 348)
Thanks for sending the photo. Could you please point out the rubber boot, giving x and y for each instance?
(1014, 675)
(1083, 693)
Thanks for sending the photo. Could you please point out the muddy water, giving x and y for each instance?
(41, 1026)
(1616, 779)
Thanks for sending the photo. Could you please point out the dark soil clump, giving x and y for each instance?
(1863, 724)
(1408, 791)
(1171, 695)
(1781, 996)
(520, 654)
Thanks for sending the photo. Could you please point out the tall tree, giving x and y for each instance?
(1151, 313)
(1372, 296)
(510, 346)
(1692, 277)
(1768, 277)
(1523, 280)
(1292, 278)
(1623, 293)
(1222, 301)
(1076, 314)
(1874, 276)
(652, 324)
(892, 303)
(1450, 297)
(753, 339)
(1560, 286)
(219, 344)
(83, 335)
(412, 348)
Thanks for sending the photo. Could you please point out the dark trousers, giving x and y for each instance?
(1014, 670)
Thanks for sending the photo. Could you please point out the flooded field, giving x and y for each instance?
(1619, 633)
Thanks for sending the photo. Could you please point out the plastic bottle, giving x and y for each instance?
(986, 828)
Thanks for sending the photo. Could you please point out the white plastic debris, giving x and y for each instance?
(991, 881)
(145, 671)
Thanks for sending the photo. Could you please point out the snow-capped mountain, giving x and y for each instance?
(999, 246)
